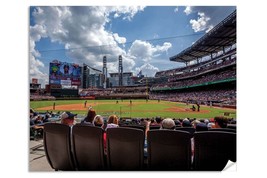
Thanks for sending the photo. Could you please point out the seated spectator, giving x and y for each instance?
(38, 120)
(206, 121)
(158, 120)
(201, 127)
(90, 116)
(220, 122)
(36, 130)
(113, 122)
(186, 123)
(67, 118)
(98, 121)
(177, 122)
(168, 123)
(194, 123)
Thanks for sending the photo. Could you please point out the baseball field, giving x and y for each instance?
(134, 109)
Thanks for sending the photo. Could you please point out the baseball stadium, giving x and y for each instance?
(142, 117)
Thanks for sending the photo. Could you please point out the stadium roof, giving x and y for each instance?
(222, 35)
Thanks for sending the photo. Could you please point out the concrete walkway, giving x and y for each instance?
(37, 158)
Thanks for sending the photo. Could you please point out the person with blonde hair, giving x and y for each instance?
(113, 121)
(98, 121)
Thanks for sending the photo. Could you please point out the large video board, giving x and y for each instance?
(63, 73)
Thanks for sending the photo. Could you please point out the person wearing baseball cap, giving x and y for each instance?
(67, 118)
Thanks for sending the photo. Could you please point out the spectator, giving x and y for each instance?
(168, 123)
(67, 118)
(36, 130)
(220, 122)
(186, 123)
(177, 122)
(201, 127)
(158, 120)
(90, 116)
(98, 121)
(113, 122)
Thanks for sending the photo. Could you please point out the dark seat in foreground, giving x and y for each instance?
(142, 127)
(169, 150)
(57, 146)
(125, 148)
(223, 130)
(88, 149)
(191, 130)
(213, 150)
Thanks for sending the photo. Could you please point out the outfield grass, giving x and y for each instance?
(139, 108)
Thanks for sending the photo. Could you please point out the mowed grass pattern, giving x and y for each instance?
(139, 108)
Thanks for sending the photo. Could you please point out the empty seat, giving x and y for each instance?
(213, 150)
(169, 150)
(57, 146)
(125, 148)
(88, 149)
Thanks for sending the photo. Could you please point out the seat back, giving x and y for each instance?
(169, 150)
(231, 126)
(125, 148)
(223, 130)
(142, 127)
(213, 150)
(88, 149)
(191, 130)
(154, 127)
(57, 146)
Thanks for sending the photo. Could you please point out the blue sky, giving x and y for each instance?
(145, 36)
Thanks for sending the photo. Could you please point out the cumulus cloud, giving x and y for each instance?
(127, 12)
(145, 51)
(147, 70)
(118, 38)
(207, 16)
(201, 23)
(188, 10)
(36, 33)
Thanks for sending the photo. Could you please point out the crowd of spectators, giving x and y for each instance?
(41, 97)
(202, 70)
(225, 96)
(226, 74)
(113, 91)
(219, 59)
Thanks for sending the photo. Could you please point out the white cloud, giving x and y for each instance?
(142, 50)
(201, 23)
(147, 70)
(188, 10)
(36, 33)
(118, 38)
(207, 16)
(176, 10)
(127, 12)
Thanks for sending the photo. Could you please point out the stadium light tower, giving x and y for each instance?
(105, 72)
(120, 70)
